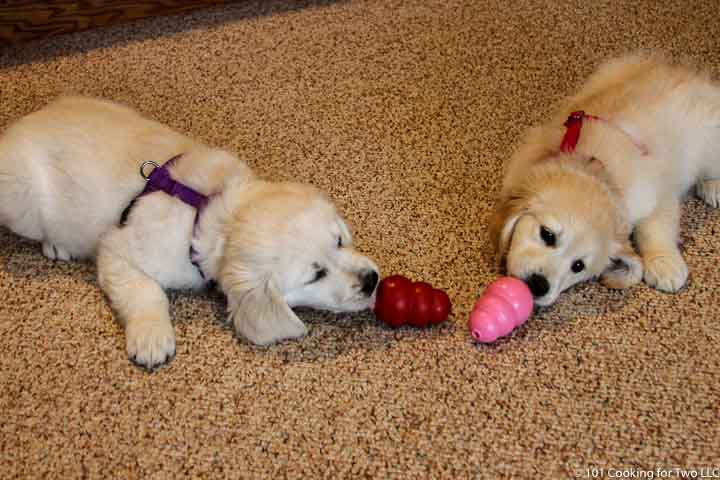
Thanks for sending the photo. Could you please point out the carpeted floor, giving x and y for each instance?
(403, 112)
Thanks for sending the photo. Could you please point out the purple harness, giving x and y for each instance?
(159, 179)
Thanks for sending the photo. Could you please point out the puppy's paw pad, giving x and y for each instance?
(55, 252)
(150, 345)
(709, 191)
(666, 272)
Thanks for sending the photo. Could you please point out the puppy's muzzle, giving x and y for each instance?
(369, 280)
(538, 285)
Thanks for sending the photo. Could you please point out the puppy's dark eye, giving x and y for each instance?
(547, 236)
(320, 273)
(578, 266)
(339, 242)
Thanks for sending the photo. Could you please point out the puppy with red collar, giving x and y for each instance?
(158, 210)
(616, 160)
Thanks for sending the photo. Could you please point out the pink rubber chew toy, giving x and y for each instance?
(504, 305)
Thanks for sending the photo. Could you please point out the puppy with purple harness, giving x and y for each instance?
(76, 176)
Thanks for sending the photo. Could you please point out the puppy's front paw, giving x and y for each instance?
(150, 344)
(666, 271)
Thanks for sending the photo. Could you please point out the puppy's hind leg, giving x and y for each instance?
(55, 252)
(709, 191)
(142, 308)
(708, 182)
(19, 209)
(657, 237)
(22, 196)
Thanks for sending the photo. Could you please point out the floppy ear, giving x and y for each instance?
(503, 221)
(344, 229)
(625, 269)
(260, 314)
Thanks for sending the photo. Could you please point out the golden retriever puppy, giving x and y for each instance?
(616, 160)
(70, 172)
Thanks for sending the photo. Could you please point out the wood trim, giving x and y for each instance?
(23, 20)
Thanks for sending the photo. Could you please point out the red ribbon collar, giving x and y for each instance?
(573, 126)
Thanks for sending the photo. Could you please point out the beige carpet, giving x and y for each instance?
(403, 112)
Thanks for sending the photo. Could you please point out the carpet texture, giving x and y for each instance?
(404, 112)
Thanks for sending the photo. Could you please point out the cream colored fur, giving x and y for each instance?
(68, 171)
(594, 198)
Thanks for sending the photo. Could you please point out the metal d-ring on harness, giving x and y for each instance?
(142, 169)
(126, 211)
(159, 179)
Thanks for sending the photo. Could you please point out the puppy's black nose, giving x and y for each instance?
(538, 285)
(369, 281)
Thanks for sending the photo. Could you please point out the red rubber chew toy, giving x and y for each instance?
(505, 304)
(403, 302)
